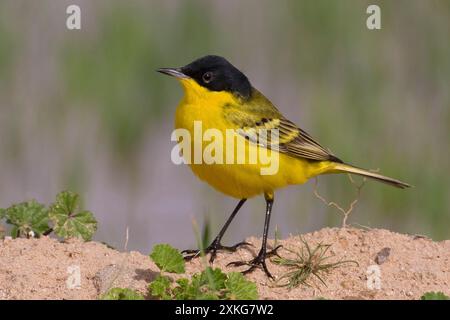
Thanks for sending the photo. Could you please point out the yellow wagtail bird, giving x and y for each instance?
(221, 97)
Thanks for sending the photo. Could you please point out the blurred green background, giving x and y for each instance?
(85, 110)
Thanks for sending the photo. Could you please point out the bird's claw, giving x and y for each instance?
(258, 262)
(212, 250)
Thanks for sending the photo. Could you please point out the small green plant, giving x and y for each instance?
(27, 219)
(307, 262)
(434, 296)
(68, 221)
(32, 219)
(167, 258)
(210, 284)
(122, 294)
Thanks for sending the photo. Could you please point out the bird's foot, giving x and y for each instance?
(212, 250)
(258, 262)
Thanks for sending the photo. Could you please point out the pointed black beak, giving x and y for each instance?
(174, 72)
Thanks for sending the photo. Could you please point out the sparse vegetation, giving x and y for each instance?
(307, 262)
(65, 219)
(118, 273)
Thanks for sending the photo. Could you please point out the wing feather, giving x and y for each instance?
(260, 122)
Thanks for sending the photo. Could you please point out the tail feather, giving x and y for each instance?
(342, 167)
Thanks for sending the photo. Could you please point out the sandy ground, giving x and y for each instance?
(47, 269)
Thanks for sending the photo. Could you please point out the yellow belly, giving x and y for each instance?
(240, 180)
(245, 181)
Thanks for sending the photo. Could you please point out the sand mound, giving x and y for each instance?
(47, 269)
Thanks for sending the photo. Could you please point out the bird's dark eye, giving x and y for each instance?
(207, 77)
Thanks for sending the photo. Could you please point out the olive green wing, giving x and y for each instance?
(260, 122)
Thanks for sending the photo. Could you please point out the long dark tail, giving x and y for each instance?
(342, 167)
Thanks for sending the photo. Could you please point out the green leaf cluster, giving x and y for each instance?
(68, 221)
(167, 258)
(210, 284)
(33, 219)
(122, 294)
(434, 296)
(28, 218)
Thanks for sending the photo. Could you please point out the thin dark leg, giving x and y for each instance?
(227, 224)
(216, 244)
(260, 260)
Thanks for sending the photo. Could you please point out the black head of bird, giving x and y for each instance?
(214, 73)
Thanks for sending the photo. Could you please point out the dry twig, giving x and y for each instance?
(345, 212)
